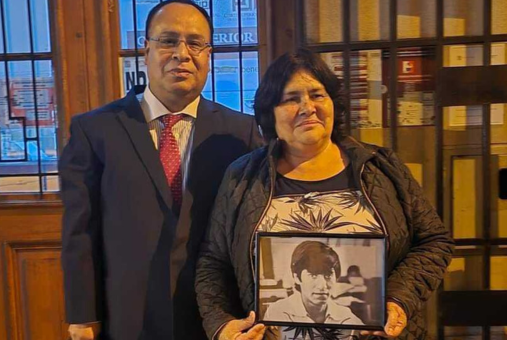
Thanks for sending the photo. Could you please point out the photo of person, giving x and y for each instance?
(321, 282)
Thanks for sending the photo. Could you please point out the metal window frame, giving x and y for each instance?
(487, 244)
(33, 57)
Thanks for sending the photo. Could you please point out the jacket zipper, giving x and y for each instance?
(363, 189)
(271, 190)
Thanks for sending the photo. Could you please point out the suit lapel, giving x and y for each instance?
(132, 119)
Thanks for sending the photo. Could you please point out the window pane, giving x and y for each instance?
(463, 17)
(323, 21)
(227, 73)
(129, 75)
(416, 86)
(462, 273)
(250, 80)
(16, 26)
(463, 55)
(498, 270)
(225, 21)
(19, 184)
(127, 31)
(40, 25)
(498, 207)
(21, 144)
(499, 110)
(416, 19)
(467, 212)
(498, 15)
(463, 333)
(369, 20)
(499, 333)
(50, 184)
(46, 115)
(366, 89)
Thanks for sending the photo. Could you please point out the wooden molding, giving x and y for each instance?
(34, 289)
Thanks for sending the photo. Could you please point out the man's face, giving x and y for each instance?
(316, 288)
(177, 72)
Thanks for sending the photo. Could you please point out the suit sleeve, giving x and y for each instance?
(80, 173)
(414, 279)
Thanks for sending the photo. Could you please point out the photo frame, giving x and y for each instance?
(321, 280)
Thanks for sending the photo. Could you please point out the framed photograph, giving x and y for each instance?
(321, 280)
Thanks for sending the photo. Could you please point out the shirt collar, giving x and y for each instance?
(154, 109)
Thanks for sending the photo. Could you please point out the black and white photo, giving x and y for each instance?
(329, 280)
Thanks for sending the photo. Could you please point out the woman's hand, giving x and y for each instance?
(242, 329)
(396, 322)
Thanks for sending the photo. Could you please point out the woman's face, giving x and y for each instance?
(305, 115)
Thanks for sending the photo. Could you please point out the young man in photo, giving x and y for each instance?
(315, 268)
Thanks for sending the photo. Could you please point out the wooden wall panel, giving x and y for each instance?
(35, 293)
(31, 292)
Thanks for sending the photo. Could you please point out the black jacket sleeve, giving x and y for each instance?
(80, 173)
(421, 271)
(216, 285)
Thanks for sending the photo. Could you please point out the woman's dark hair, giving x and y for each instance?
(316, 257)
(270, 91)
(162, 4)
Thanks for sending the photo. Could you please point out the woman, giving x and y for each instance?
(310, 170)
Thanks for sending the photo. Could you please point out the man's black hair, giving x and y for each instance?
(162, 4)
(316, 258)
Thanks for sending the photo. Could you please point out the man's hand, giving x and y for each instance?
(242, 329)
(396, 322)
(87, 331)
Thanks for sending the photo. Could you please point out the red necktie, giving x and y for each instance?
(170, 156)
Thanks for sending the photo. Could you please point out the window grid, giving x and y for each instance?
(393, 45)
(33, 57)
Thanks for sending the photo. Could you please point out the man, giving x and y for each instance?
(139, 176)
(315, 269)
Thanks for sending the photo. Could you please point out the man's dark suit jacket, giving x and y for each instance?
(118, 204)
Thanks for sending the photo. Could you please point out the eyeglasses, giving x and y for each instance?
(170, 44)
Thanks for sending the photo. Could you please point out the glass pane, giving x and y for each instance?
(463, 17)
(416, 86)
(498, 208)
(499, 53)
(463, 333)
(499, 111)
(127, 32)
(462, 273)
(225, 22)
(323, 21)
(463, 55)
(369, 20)
(16, 26)
(498, 270)
(40, 25)
(467, 196)
(416, 19)
(498, 15)
(50, 184)
(129, 75)
(46, 115)
(498, 333)
(250, 79)
(227, 73)
(368, 95)
(19, 184)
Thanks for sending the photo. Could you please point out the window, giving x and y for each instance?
(234, 72)
(28, 119)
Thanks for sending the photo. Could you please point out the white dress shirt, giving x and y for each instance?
(183, 131)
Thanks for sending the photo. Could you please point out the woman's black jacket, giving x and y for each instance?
(419, 246)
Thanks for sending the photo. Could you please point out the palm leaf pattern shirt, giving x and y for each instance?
(335, 205)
